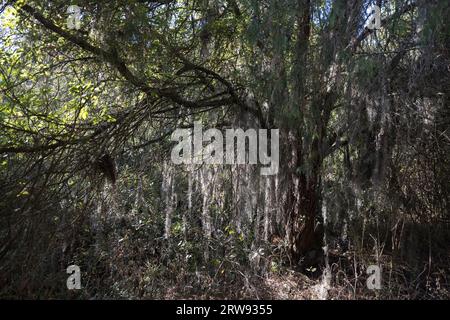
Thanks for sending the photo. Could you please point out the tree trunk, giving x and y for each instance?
(305, 237)
(302, 205)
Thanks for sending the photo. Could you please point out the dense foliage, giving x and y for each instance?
(86, 116)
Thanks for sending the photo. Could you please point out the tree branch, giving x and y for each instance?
(112, 58)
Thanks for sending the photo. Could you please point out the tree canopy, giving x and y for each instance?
(87, 112)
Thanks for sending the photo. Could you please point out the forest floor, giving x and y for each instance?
(290, 286)
(293, 286)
